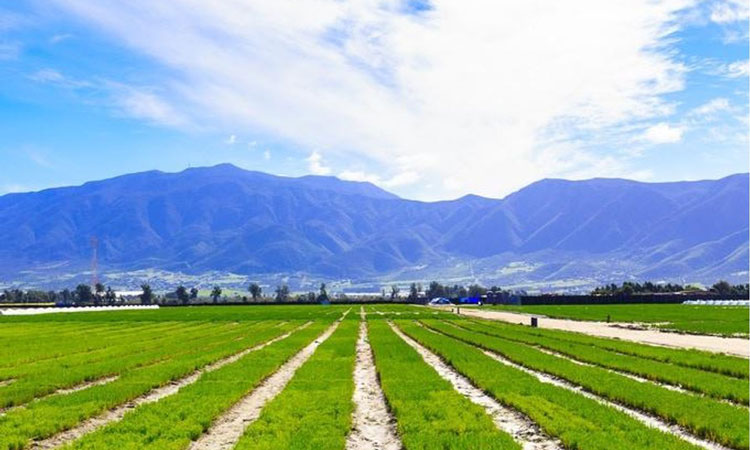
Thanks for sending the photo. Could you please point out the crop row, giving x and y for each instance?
(48, 416)
(37, 343)
(317, 401)
(39, 379)
(708, 383)
(712, 362)
(429, 412)
(578, 422)
(200, 314)
(176, 420)
(707, 418)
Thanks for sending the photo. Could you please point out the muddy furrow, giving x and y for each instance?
(227, 430)
(152, 396)
(524, 430)
(373, 427)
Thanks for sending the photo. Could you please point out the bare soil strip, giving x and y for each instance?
(373, 427)
(228, 429)
(646, 419)
(524, 430)
(152, 396)
(86, 385)
(716, 344)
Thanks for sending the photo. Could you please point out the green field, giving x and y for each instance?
(173, 378)
(698, 319)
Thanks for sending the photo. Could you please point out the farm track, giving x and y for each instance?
(227, 430)
(732, 346)
(523, 429)
(373, 426)
(152, 396)
(642, 417)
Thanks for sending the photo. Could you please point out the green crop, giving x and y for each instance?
(429, 412)
(317, 401)
(175, 421)
(579, 422)
(45, 417)
(707, 418)
(711, 384)
(712, 362)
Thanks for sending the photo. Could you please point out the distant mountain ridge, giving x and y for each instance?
(227, 219)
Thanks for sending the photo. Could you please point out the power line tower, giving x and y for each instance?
(94, 261)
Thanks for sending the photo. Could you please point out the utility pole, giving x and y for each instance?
(94, 261)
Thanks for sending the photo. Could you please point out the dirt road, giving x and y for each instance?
(732, 346)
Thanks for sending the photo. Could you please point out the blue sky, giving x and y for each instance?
(430, 100)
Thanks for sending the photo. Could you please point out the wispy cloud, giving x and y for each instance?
(57, 38)
(464, 90)
(730, 11)
(144, 103)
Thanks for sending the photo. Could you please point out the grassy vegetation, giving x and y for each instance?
(45, 417)
(43, 377)
(52, 340)
(314, 410)
(712, 362)
(716, 421)
(430, 413)
(579, 422)
(147, 349)
(722, 320)
(175, 421)
(197, 313)
(708, 383)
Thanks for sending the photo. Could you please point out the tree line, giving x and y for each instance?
(721, 287)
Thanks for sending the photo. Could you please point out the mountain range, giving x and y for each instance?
(226, 220)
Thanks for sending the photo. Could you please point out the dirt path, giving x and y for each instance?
(152, 396)
(373, 427)
(228, 429)
(524, 430)
(716, 344)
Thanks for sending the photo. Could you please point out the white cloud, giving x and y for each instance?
(729, 11)
(143, 103)
(315, 164)
(736, 69)
(359, 175)
(711, 107)
(231, 140)
(267, 155)
(465, 91)
(663, 133)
